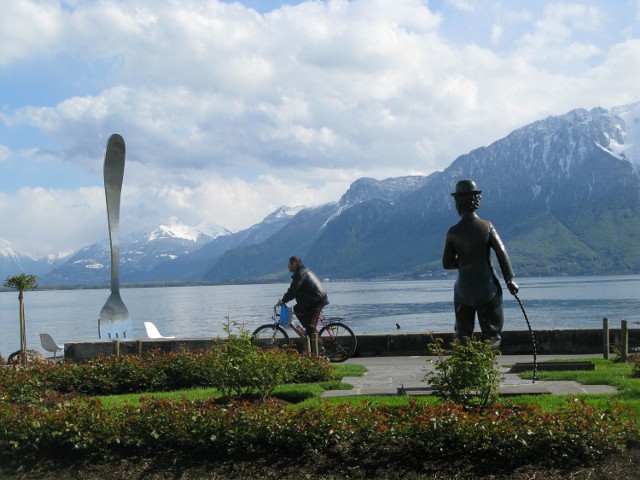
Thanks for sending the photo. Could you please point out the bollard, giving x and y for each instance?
(605, 338)
(139, 342)
(624, 341)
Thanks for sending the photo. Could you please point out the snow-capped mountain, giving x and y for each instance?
(388, 190)
(559, 159)
(212, 229)
(194, 266)
(167, 242)
(282, 213)
(630, 149)
(564, 192)
(14, 263)
(139, 253)
(169, 253)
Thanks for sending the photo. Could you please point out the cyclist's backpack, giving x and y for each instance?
(285, 315)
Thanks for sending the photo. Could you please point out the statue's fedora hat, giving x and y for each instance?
(466, 187)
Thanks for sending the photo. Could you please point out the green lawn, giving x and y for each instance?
(294, 393)
(606, 372)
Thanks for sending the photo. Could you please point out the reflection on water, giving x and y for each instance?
(369, 307)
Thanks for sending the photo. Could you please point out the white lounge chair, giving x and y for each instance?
(152, 331)
(49, 344)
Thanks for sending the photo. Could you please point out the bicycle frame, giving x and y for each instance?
(297, 326)
(336, 341)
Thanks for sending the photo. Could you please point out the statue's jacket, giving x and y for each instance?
(468, 248)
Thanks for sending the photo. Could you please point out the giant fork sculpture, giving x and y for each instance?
(114, 321)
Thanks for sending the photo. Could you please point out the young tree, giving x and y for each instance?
(21, 283)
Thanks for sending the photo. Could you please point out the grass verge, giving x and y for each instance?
(606, 372)
(292, 393)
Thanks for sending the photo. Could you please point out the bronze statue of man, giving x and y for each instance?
(468, 248)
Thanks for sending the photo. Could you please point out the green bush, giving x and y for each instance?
(234, 367)
(306, 368)
(507, 435)
(243, 369)
(467, 374)
(20, 385)
(36, 419)
(635, 361)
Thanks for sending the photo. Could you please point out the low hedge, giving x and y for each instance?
(510, 435)
(235, 367)
(39, 416)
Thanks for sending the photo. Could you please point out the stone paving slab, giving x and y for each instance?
(405, 375)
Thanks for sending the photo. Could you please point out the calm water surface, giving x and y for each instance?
(369, 307)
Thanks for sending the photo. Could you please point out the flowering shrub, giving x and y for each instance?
(234, 367)
(39, 417)
(509, 435)
(20, 385)
(635, 361)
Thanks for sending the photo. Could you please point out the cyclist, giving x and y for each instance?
(309, 293)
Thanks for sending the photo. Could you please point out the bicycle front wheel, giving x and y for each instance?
(270, 336)
(338, 341)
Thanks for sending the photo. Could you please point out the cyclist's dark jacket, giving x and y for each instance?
(306, 288)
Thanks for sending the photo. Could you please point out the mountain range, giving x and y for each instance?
(563, 192)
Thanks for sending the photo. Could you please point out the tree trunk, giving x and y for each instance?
(23, 332)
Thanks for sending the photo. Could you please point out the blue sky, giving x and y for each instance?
(232, 109)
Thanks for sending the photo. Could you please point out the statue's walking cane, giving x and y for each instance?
(533, 338)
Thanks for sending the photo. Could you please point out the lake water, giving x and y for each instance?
(368, 307)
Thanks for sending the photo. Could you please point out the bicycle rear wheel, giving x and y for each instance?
(338, 341)
(270, 336)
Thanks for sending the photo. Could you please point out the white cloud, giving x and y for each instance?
(497, 32)
(4, 153)
(464, 5)
(29, 28)
(228, 114)
(553, 38)
(46, 220)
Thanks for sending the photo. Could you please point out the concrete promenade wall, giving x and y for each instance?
(517, 342)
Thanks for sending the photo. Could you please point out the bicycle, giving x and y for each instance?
(336, 341)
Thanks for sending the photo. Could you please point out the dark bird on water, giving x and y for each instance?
(398, 326)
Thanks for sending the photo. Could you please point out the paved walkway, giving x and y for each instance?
(405, 375)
